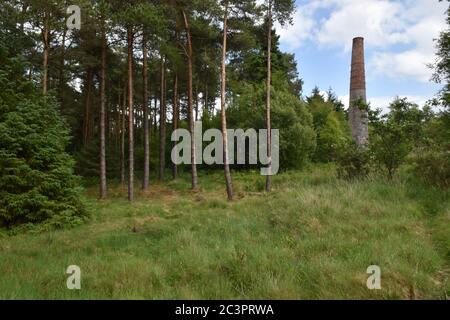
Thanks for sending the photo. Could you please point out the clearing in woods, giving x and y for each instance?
(312, 238)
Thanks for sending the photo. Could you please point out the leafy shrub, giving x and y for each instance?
(354, 162)
(297, 136)
(390, 147)
(37, 183)
(36, 175)
(332, 129)
(433, 166)
(332, 137)
(395, 135)
(289, 115)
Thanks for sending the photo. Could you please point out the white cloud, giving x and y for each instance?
(294, 36)
(375, 20)
(413, 63)
(399, 32)
(407, 64)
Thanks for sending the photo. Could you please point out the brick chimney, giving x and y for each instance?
(358, 115)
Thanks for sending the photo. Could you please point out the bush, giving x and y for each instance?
(332, 129)
(390, 147)
(36, 175)
(37, 183)
(332, 137)
(395, 135)
(289, 115)
(432, 165)
(353, 162)
(297, 136)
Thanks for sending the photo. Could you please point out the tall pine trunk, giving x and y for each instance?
(194, 179)
(103, 187)
(162, 122)
(46, 43)
(268, 95)
(61, 68)
(228, 181)
(146, 183)
(122, 139)
(87, 110)
(205, 106)
(196, 102)
(118, 119)
(155, 112)
(176, 117)
(130, 37)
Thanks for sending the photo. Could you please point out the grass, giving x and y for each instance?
(312, 238)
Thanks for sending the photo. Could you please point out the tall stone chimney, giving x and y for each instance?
(358, 113)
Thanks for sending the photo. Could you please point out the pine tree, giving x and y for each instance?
(228, 181)
(280, 10)
(36, 174)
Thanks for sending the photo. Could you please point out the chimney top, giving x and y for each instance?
(358, 77)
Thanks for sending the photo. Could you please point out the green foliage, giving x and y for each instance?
(390, 146)
(410, 118)
(88, 159)
(354, 162)
(37, 183)
(283, 10)
(248, 64)
(297, 136)
(330, 125)
(395, 135)
(362, 105)
(431, 161)
(334, 99)
(313, 238)
(442, 65)
(432, 165)
(289, 115)
(332, 138)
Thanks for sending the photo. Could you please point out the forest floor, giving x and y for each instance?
(312, 238)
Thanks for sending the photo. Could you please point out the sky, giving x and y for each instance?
(399, 43)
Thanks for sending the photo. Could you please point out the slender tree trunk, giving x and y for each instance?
(206, 107)
(46, 41)
(146, 183)
(118, 118)
(103, 187)
(130, 38)
(122, 141)
(176, 117)
(107, 119)
(196, 103)
(87, 111)
(162, 122)
(91, 130)
(190, 102)
(61, 68)
(268, 95)
(228, 181)
(155, 112)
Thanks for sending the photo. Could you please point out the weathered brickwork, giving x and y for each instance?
(358, 115)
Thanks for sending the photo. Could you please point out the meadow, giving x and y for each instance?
(312, 238)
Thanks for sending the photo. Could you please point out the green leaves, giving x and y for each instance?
(36, 175)
(289, 115)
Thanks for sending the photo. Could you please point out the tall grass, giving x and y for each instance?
(312, 238)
